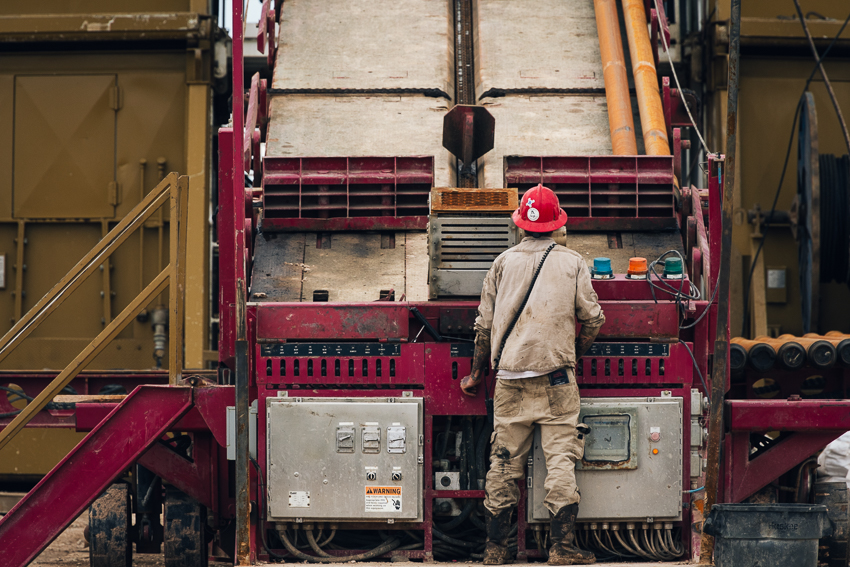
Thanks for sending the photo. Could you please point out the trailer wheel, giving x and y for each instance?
(184, 531)
(110, 528)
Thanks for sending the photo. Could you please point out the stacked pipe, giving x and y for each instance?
(790, 352)
(620, 119)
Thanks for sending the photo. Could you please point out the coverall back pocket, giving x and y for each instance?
(508, 399)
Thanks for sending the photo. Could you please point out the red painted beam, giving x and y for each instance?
(192, 477)
(115, 444)
(782, 415)
(743, 477)
(639, 319)
(332, 321)
(344, 223)
(89, 415)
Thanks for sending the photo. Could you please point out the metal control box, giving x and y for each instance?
(632, 465)
(344, 459)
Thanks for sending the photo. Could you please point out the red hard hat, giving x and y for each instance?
(539, 211)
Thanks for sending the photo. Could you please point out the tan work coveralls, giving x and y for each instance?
(543, 341)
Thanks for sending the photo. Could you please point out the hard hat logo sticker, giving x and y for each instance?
(533, 214)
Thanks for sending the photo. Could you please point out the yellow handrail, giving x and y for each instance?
(171, 188)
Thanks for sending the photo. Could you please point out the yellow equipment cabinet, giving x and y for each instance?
(99, 100)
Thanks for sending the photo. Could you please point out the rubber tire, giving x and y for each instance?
(834, 548)
(110, 528)
(185, 541)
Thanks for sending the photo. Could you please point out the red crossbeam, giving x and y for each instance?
(129, 430)
(782, 415)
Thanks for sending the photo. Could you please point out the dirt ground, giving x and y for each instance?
(69, 549)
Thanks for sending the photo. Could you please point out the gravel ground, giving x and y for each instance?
(70, 549)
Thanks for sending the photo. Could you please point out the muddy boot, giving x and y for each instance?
(564, 550)
(498, 532)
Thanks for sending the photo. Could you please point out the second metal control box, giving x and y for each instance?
(344, 459)
(632, 464)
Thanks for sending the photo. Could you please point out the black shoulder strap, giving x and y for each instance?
(521, 308)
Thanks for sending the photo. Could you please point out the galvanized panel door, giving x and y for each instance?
(64, 146)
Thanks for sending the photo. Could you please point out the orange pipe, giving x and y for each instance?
(646, 80)
(620, 119)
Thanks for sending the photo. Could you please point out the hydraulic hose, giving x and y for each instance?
(383, 548)
(445, 443)
(459, 519)
(453, 541)
(625, 545)
(311, 539)
(466, 435)
(481, 446)
(477, 522)
(329, 538)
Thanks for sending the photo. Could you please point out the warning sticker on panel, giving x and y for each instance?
(299, 499)
(383, 499)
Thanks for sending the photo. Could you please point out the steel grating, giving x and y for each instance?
(635, 190)
(347, 187)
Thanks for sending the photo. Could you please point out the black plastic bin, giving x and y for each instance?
(767, 534)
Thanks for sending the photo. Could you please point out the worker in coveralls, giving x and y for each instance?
(535, 362)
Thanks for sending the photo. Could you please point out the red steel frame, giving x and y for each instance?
(134, 430)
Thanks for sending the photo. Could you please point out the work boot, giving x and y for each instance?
(564, 550)
(498, 527)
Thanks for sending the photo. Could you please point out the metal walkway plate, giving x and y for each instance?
(361, 126)
(547, 45)
(374, 46)
(545, 125)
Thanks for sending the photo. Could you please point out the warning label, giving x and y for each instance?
(383, 499)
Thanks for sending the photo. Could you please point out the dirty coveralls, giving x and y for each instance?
(542, 341)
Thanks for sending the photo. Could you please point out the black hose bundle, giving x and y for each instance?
(13, 395)
(467, 461)
(483, 444)
(834, 212)
(385, 547)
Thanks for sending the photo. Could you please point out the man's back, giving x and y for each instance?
(543, 339)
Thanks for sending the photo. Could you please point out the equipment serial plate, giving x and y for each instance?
(463, 350)
(628, 349)
(332, 349)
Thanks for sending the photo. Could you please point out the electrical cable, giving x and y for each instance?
(481, 446)
(261, 478)
(329, 538)
(624, 544)
(21, 395)
(311, 539)
(453, 541)
(677, 547)
(701, 378)
(459, 519)
(782, 179)
(383, 548)
(826, 82)
(676, 293)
